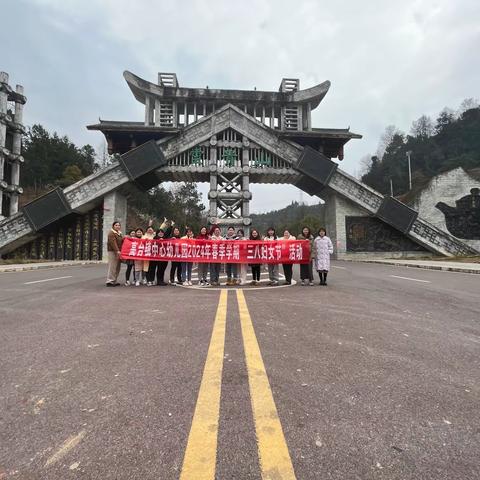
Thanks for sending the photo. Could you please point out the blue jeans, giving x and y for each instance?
(232, 270)
(215, 272)
(203, 271)
(187, 271)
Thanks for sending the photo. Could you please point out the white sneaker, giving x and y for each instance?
(311, 284)
(137, 283)
(127, 283)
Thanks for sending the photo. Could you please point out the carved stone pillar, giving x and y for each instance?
(114, 210)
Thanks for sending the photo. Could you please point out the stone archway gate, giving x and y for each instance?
(166, 160)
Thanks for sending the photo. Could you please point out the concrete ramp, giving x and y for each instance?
(138, 165)
(310, 170)
(320, 173)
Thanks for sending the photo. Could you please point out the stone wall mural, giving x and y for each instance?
(77, 237)
(463, 220)
(369, 234)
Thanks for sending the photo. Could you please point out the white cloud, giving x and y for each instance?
(389, 62)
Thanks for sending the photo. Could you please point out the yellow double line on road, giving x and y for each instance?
(201, 452)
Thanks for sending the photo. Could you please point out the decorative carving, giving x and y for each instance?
(96, 236)
(464, 220)
(42, 253)
(51, 246)
(196, 156)
(86, 237)
(60, 244)
(263, 160)
(369, 234)
(230, 157)
(356, 191)
(95, 186)
(69, 243)
(77, 250)
(436, 238)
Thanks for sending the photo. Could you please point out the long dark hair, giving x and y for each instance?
(309, 231)
(274, 233)
(251, 234)
(200, 235)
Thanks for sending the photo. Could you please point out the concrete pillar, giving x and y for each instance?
(3, 106)
(308, 122)
(114, 210)
(13, 204)
(337, 208)
(157, 112)
(16, 149)
(3, 92)
(19, 106)
(149, 105)
(331, 224)
(246, 194)
(300, 118)
(175, 114)
(212, 195)
(2, 183)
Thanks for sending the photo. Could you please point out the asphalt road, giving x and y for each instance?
(376, 376)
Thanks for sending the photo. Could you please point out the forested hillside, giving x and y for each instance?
(453, 140)
(293, 217)
(54, 161)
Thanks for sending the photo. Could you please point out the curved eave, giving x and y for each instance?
(313, 95)
(141, 88)
(322, 133)
(113, 126)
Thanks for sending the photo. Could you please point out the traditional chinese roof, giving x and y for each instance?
(120, 134)
(142, 88)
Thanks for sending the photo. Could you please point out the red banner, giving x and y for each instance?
(217, 251)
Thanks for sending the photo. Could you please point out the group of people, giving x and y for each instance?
(152, 272)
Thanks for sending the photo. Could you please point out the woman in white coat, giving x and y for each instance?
(323, 250)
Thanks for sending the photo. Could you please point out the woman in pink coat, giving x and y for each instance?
(323, 250)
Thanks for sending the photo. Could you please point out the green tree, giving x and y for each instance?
(453, 142)
(47, 157)
(188, 206)
(71, 174)
(183, 204)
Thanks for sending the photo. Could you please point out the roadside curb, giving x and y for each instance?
(41, 266)
(444, 268)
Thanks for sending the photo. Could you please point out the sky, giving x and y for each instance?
(389, 62)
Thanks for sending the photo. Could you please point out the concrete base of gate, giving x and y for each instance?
(114, 210)
(337, 209)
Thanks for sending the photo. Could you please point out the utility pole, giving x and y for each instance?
(409, 170)
(391, 187)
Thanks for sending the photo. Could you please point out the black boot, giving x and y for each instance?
(325, 278)
(320, 274)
